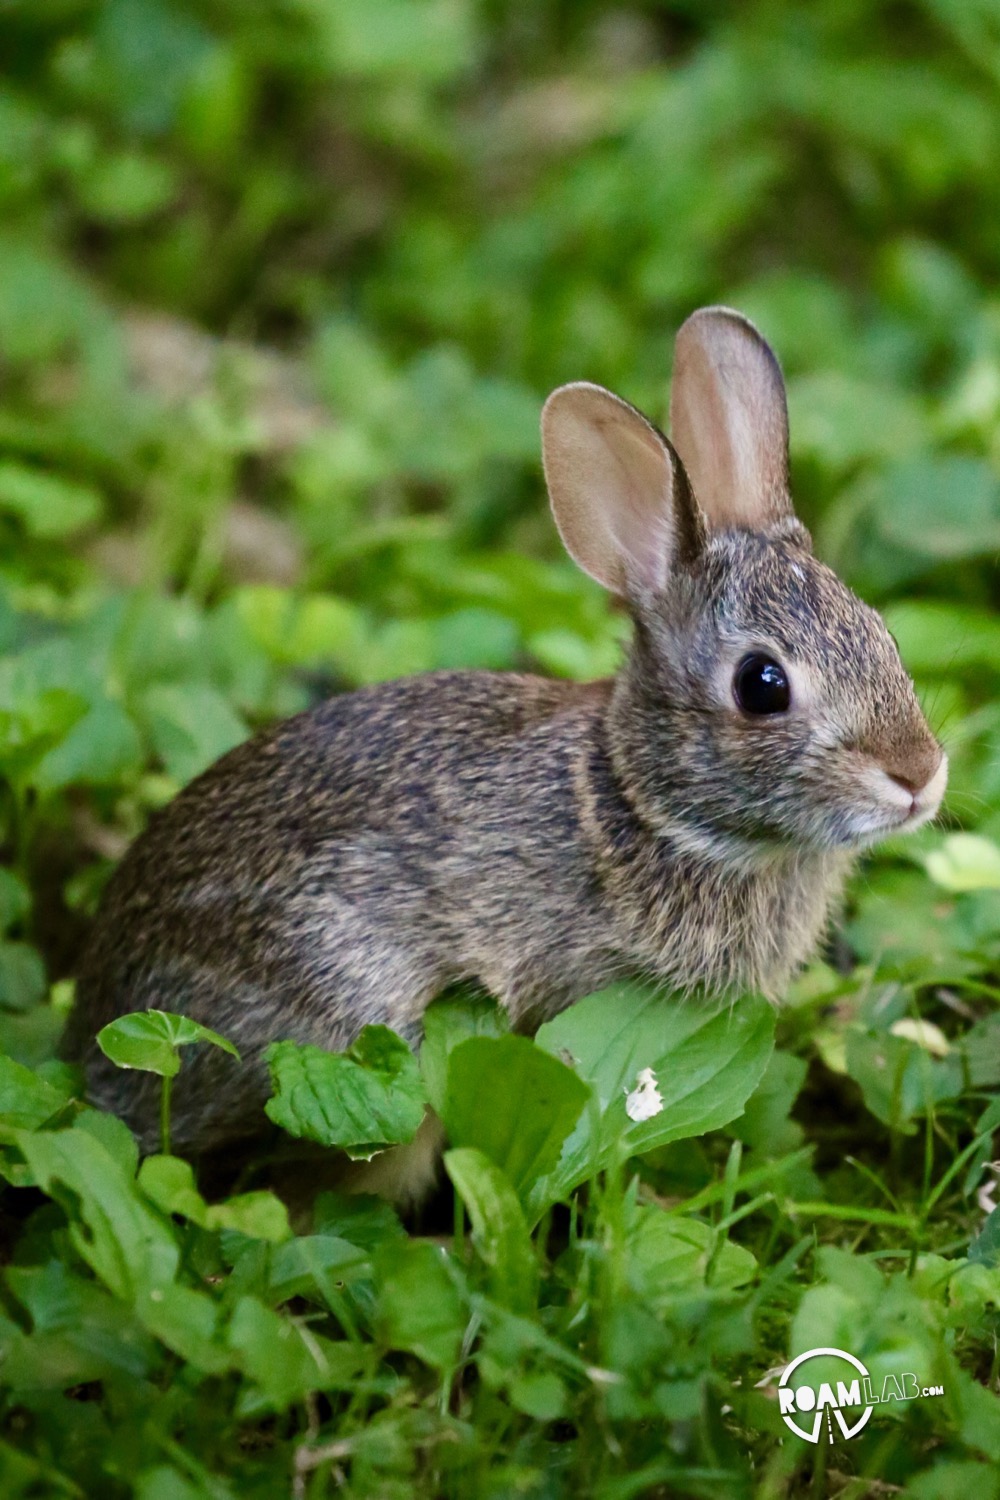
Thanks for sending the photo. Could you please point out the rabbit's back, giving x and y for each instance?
(341, 869)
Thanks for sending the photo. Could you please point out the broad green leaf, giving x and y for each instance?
(32, 725)
(190, 724)
(362, 1100)
(86, 1333)
(282, 1362)
(499, 1230)
(149, 1040)
(102, 747)
(27, 1102)
(187, 1321)
(15, 900)
(898, 1079)
(169, 1183)
(127, 1245)
(163, 1482)
(431, 41)
(47, 505)
(361, 1220)
(115, 1137)
(840, 419)
(420, 1307)
(315, 1266)
(935, 637)
(22, 976)
(765, 1123)
(965, 862)
(540, 1394)
(300, 630)
(707, 1059)
(127, 187)
(447, 1021)
(149, 51)
(514, 1102)
(673, 1253)
(475, 638)
(985, 1247)
(945, 508)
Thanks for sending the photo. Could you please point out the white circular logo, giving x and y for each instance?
(827, 1402)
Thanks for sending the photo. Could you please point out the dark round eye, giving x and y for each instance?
(760, 685)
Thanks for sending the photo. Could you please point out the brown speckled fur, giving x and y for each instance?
(539, 838)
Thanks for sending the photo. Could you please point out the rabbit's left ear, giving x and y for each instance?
(729, 420)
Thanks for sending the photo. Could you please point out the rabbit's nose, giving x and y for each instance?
(925, 785)
(917, 768)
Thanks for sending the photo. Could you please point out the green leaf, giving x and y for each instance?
(898, 1079)
(362, 1100)
(430, 40)
(127, 187)
(765, 1123)
(707, 1059)
(164, 1482)
(515, 1103)
(447, 1021)
(190, 725)
(125, 1243)
(79, 1332)
(540, 1394)
(149, 1040)
(101, 748)
(15, 900)
(187, 1321)
(283, 1362)
(22, 976)
(46, 505)
(840, 419)
(672, 1253)
(27, 1102)
(169, 1183)
(300, 630)
(420, 1307)
(985, 1247)
(936, 637)
(965, 862)
(315, 1266)
(500, 1232)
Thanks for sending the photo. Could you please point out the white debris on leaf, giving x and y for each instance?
(645, 1100)
(924, 1033)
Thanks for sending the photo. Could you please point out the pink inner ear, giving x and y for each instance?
(642, 522)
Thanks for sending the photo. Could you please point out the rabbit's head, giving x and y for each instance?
(763, 706)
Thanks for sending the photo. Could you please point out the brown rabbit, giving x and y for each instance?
(692, 818)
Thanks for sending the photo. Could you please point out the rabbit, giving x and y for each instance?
(692, 819)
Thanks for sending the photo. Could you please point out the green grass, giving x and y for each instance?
(282, 289)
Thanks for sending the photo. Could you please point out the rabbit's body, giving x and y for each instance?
(349, 865)
(692, 819)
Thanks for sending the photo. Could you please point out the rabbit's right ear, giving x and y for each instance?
(619, 493)
(729, 420)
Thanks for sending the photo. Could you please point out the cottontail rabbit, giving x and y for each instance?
(692, 818)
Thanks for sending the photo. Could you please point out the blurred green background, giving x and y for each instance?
(283, 286)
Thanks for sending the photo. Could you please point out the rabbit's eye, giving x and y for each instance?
(760, 685)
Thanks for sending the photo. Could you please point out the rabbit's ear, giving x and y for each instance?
(729, 421)
(619, 493)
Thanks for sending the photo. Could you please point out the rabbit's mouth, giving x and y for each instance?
(904, 806)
